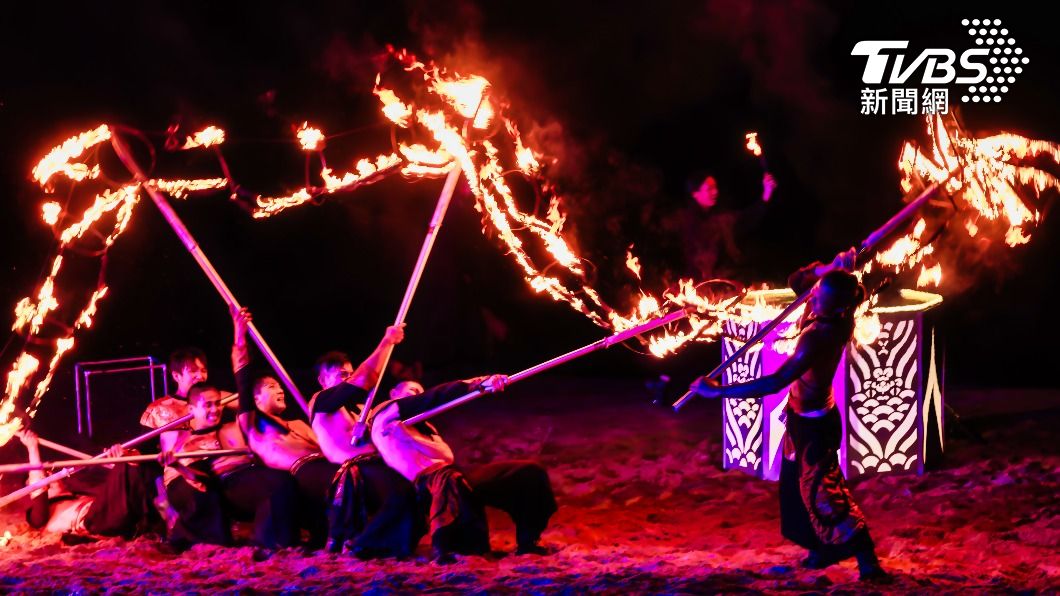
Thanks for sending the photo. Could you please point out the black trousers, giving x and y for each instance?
(817, 509)
(520, 488)
(373, 511)
(456, 519)
(201, 515)
(267, 497)
(314, 482)
(121, 501)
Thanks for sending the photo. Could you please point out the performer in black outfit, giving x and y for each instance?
(818, 511)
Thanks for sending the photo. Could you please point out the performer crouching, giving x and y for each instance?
(520, 488)
(456, 520)
(373, 509)
(114, 501)
(818, 511)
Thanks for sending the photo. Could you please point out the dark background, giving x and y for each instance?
(632, 97)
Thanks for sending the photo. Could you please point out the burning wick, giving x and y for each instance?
(752, 144)
(207, 137)
(310, 138)
(50, 211)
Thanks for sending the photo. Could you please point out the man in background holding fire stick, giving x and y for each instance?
(119, 504)
(817, 510)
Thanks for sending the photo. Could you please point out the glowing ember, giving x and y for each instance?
(310, 138)
(50, 211)
(207, 137)
(752, 144)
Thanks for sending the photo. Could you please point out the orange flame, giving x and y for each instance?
(752, 144)
(207, 137)
(310, 138)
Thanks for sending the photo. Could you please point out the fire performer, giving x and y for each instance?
(207, 493)
(454, 508)
(373, 509)
(118, 504)
(285, 445)
(818, 511)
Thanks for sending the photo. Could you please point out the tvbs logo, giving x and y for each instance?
(987, 69)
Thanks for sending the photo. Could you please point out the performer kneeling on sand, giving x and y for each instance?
(817, 509)
(286, 445)
(207, 494)
(114, 501)
(373, 509)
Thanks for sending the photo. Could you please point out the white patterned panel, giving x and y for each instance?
(743, 417)
(882, 409)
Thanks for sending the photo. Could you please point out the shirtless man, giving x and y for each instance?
(818, 511)
(207, 492)
(373, 508)
(285, 445)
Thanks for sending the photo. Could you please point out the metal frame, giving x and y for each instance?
(83, 372)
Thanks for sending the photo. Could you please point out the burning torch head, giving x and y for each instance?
(333, 368)
(406, 389)
(269, 396)
(188, 367)
(204, 401)
(836, 293)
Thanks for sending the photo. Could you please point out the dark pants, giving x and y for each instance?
(268, 498)
(314, 482)
(201, 515)
(456, 519)
(817, 510)
(373, 511)
(521, 489)
(121, 501)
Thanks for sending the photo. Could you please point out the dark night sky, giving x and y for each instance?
(644, 93)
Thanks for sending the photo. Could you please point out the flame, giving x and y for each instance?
(468, 96)
(930, 276)
(752, 144)
(310, 138)
(207, 137)
(178, 189)
(50, 212)
(59, 159)
(632, 262)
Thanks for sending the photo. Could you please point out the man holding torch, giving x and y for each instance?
(817, 510)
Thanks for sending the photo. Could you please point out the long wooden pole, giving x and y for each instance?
(417, 272)
(103, 461)
(539, 368)
(33, 487)
(867, 247)
(193, 248)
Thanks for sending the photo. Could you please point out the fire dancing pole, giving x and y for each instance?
(30, 488)
(533, 370)
(417, 272)
(103, 461)
(62, 449)
(865, 249)
(193, 248)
